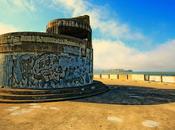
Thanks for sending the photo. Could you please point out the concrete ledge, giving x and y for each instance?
(137, 77)
(39, 95)
(123, 76)
(105, 76)
(96, 76)
(113, 76)
(168, 79)
(156, 78)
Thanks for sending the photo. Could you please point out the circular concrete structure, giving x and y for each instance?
(78, 27)
(41, 60)
(61, 58)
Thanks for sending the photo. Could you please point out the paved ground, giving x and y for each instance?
(147, 108)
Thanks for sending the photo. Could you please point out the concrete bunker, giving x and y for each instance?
(60, 59)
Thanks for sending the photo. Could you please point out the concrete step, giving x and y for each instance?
(32, 95)
(50, 99)
(50, 92)
(24, 91)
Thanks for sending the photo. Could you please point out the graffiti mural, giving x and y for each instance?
(60, 57)
(47, 70)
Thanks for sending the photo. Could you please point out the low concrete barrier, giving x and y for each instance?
(168, 79)
(96, 76)
(105, 76)
(113, 76)
(129, 76)
(123, 77)
(156, 78)
(138, 77)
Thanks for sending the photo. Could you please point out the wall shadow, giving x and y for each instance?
(132, 95)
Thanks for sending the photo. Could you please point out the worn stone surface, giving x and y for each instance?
(45, 70)
(45, 60)
(76, 27)
(85, 115)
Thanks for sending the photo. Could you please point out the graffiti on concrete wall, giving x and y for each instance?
(47, 70)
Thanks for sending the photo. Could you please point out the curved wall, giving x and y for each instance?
(76, 27)
(43, 60)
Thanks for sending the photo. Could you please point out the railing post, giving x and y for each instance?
(100, 76)
(161, 78)
(108, 76)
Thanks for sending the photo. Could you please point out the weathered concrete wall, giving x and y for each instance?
(129, 77)
(96, 76)
(168, 79)
(105, 76)
(123, 77)
(137, 77)
(156, 78)
(77, 27)
(38, 60)
(69, 23)
(113, 76)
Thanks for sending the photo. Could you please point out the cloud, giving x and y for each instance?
(25, 4)
(114, 54)
(5, 28)
(18, 5)
(109, 53)
(101, 19)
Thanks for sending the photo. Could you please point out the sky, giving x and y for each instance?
(128, 34)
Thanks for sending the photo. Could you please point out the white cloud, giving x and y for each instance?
(25, 4)
(5, 28)
(114, 54)
(101, 19)
(18, 5)
(107, 53)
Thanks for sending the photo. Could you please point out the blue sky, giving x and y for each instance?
(130, 34)
(154, 18)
